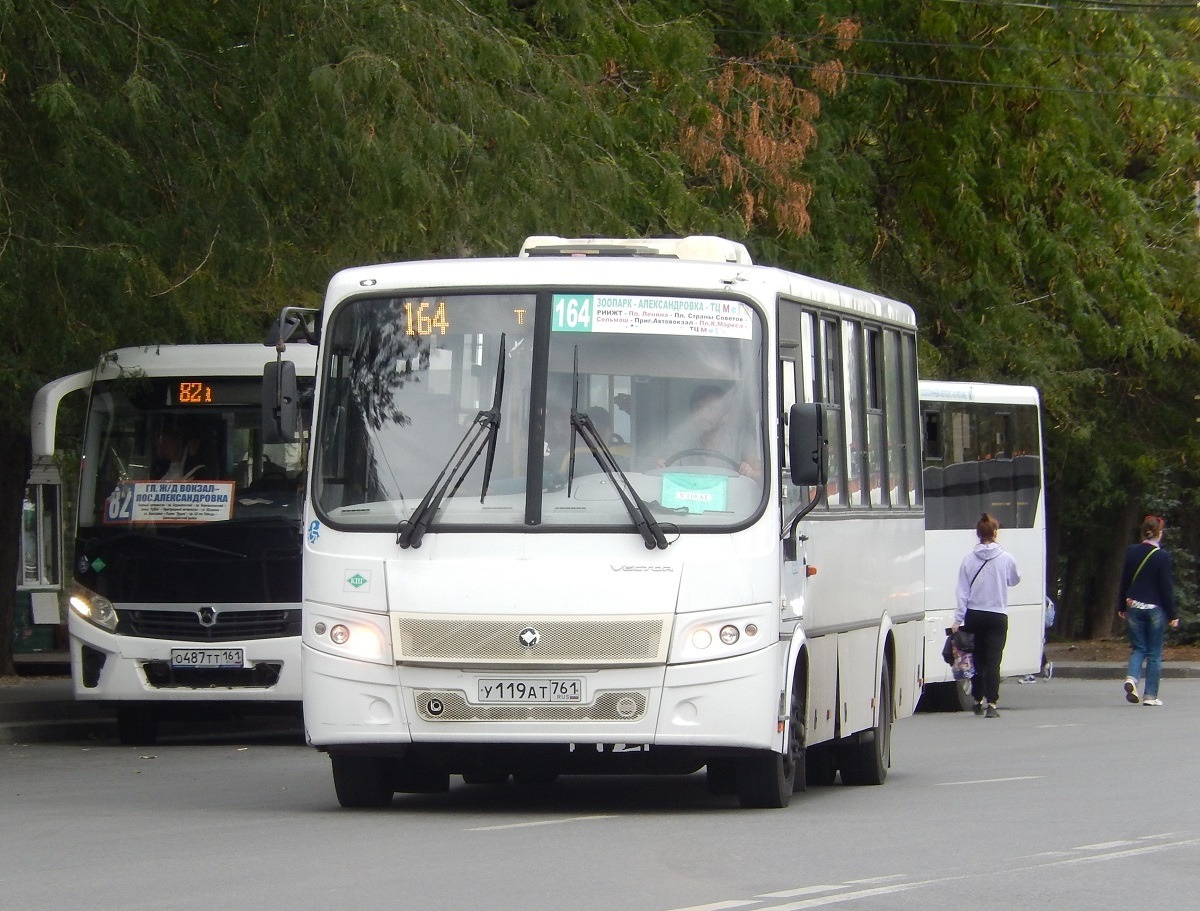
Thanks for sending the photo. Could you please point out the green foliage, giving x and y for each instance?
(1026, 174)
(1023, 176)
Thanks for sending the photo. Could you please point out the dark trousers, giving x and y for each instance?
(991, 632)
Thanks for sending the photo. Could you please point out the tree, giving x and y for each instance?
(177, 173)
(1026, 174)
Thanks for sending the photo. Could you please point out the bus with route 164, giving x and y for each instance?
(610, 505)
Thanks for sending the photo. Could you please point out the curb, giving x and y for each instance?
(1109, 671)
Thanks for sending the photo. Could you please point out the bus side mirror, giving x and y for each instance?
(280, 410)
(806, 445)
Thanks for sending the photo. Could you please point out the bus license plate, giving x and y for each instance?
(207, 657)
(531, 690)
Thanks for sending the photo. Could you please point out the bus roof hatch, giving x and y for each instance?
(699, 248)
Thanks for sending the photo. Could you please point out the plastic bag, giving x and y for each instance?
(964, 665)
(958, 653)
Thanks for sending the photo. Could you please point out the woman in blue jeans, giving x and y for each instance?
(1146, 602)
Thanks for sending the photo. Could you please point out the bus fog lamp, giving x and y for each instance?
(319, 629)
(752, 629)
(729, 634)
(701, 638)
(339, 634)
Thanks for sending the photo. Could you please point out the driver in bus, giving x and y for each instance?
(714, 435)
(179, 456)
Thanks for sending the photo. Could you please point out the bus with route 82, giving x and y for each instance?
(185, 600)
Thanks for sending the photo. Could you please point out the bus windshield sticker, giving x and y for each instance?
(141, 502)
(642, 315)
(694, 492)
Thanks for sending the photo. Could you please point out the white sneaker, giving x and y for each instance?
(1155, 701)
(1131, 690)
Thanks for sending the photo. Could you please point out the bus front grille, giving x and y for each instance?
(216, 625)
(451, 705)
(474, 640)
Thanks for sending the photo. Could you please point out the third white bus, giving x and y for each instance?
(982, 451)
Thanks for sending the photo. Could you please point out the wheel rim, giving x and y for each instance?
(796, 737)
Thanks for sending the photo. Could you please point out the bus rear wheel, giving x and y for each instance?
(137, 725)
(864, 757)
(950, 696)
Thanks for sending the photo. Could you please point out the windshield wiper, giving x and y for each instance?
(639, 512)
(483, 430)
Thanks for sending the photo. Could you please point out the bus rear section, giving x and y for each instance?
(982, 451)
(186, 598)
(547, 533)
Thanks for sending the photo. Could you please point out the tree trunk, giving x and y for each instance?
(14, 470)
(1103, 620)
(1055, 582)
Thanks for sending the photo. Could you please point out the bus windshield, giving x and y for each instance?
(165, 453)
(672, 385)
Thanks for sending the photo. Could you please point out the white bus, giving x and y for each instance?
(186, 593)
(569, 513)
(982, 447)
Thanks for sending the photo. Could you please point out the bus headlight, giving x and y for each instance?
(709, 635)
(95, 609)
(349, 637)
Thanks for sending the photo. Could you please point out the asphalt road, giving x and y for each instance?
(1073, 798)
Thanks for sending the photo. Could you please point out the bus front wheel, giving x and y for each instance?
(767, 779)
(362, 781)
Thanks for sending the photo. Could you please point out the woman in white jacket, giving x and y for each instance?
(984, 578)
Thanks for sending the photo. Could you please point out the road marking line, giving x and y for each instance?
(859, 894)
(804, 890)
(1114, 855)
(942, 784)
(542, 822)
(1062, 859)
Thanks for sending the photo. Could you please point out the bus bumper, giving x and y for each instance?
(105, 666)
(730, 703)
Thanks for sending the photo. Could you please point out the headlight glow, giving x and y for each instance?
(350, 639)
(94, 608)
